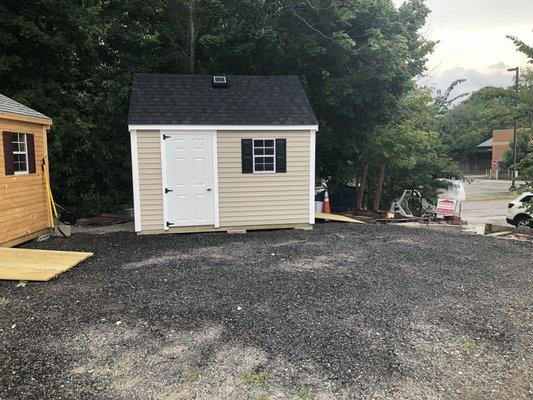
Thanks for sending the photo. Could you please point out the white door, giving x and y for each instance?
(189, 182)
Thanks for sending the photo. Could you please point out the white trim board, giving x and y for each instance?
(223, 127)
(164, 179)
(135, 178)
(312, 155)
(215, 178)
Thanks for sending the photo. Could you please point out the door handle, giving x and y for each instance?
(209, 189)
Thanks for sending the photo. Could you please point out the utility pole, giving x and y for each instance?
(516, 70)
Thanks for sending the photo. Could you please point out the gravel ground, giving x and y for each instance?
(343, 311)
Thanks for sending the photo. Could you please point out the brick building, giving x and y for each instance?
(501, 140)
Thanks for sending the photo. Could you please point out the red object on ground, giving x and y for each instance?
(325, 207)
(446, 207)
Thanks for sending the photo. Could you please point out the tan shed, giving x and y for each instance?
(24, 205)
(221, 153)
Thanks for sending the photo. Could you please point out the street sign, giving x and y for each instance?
(495, 163)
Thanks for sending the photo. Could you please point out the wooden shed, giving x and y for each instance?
(221, 153)
(24, 205)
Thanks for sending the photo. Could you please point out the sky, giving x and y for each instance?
(472, 42)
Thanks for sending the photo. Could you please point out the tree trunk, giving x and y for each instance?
(192, 37)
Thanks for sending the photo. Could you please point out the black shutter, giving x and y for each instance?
(7, 138)
(281, 155)
(30, 142)
(247, 156)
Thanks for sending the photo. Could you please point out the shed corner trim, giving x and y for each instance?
(135, 178)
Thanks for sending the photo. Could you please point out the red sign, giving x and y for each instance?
(446, 207)
(495, 163)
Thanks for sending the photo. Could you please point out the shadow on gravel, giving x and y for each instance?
(340, 312)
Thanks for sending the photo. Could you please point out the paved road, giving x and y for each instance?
(486, 201)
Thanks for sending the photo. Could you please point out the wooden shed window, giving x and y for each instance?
(20, 153)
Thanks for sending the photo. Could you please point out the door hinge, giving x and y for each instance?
(169, 224)
(166, 137)
(168, 190)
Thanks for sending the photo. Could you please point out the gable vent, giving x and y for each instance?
(219, 82)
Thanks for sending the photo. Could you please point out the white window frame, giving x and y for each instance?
(27, 170)
(270, 155)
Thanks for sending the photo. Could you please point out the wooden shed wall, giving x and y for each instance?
(23, 200)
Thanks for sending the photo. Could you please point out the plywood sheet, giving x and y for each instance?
(338, 218)
(37, 265)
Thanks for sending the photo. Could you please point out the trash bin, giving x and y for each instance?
(342, 198)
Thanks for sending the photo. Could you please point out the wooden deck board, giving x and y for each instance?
(338, 218)
(37, 265)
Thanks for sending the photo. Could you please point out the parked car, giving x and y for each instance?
(517, 214)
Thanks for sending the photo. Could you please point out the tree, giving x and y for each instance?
(524, 146)
(412, 149)
(471, 122)
(74, 61)
(356, 59)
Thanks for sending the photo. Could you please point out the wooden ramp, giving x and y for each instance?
(337, 218)
(37, 265)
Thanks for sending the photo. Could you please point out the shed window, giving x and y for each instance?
(20, 153)
(264, 155)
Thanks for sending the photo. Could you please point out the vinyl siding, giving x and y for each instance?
(23, 200)
(150, 180)
(263, 199)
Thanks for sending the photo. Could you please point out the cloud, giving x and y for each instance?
(498, 67)
(496, 75)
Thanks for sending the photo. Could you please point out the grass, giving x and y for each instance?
(469, 347)
(496, 196)
(256, 379)
(304, 394)
(191, 376)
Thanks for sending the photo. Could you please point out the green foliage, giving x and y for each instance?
(191, 376)
(525, 167)
(470, 123)
(21, 284)
(524, 147)
(473, 121)
(523, 47)
(74, 61)
(304, 394)
(256, 379)
(410, 146)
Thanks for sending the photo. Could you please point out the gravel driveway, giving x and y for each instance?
(343, 311)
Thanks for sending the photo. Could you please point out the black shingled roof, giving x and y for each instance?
(162, 99)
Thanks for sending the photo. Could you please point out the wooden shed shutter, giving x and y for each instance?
(247, 157)
(7, 138)
(30, 142)
(281, 155)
